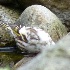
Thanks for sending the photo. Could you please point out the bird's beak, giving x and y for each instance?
(16, 31)
(19, 36)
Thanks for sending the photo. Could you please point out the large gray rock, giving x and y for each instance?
(55, 58)
(7, 16)
(64, 17)
(6, 39)
(40, 16)
(60, 7)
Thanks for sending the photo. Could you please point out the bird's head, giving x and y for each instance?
(20, 33)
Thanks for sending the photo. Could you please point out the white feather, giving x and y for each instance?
(37, 38)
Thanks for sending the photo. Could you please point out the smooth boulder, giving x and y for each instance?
(42, 17)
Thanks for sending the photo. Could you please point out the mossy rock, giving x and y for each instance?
(6, 39)
(7, 16)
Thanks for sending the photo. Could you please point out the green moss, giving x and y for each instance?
(12, 56)
(7, 60)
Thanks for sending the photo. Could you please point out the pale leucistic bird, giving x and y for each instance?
(33, 39)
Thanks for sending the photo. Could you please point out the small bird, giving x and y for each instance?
(33, 39)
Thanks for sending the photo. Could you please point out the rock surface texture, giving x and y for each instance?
(60, 7)
(7, 16)
(6, 38)
(40, 16)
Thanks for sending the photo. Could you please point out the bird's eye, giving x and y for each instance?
(24, 38)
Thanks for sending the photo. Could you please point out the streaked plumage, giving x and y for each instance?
(33, 39)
